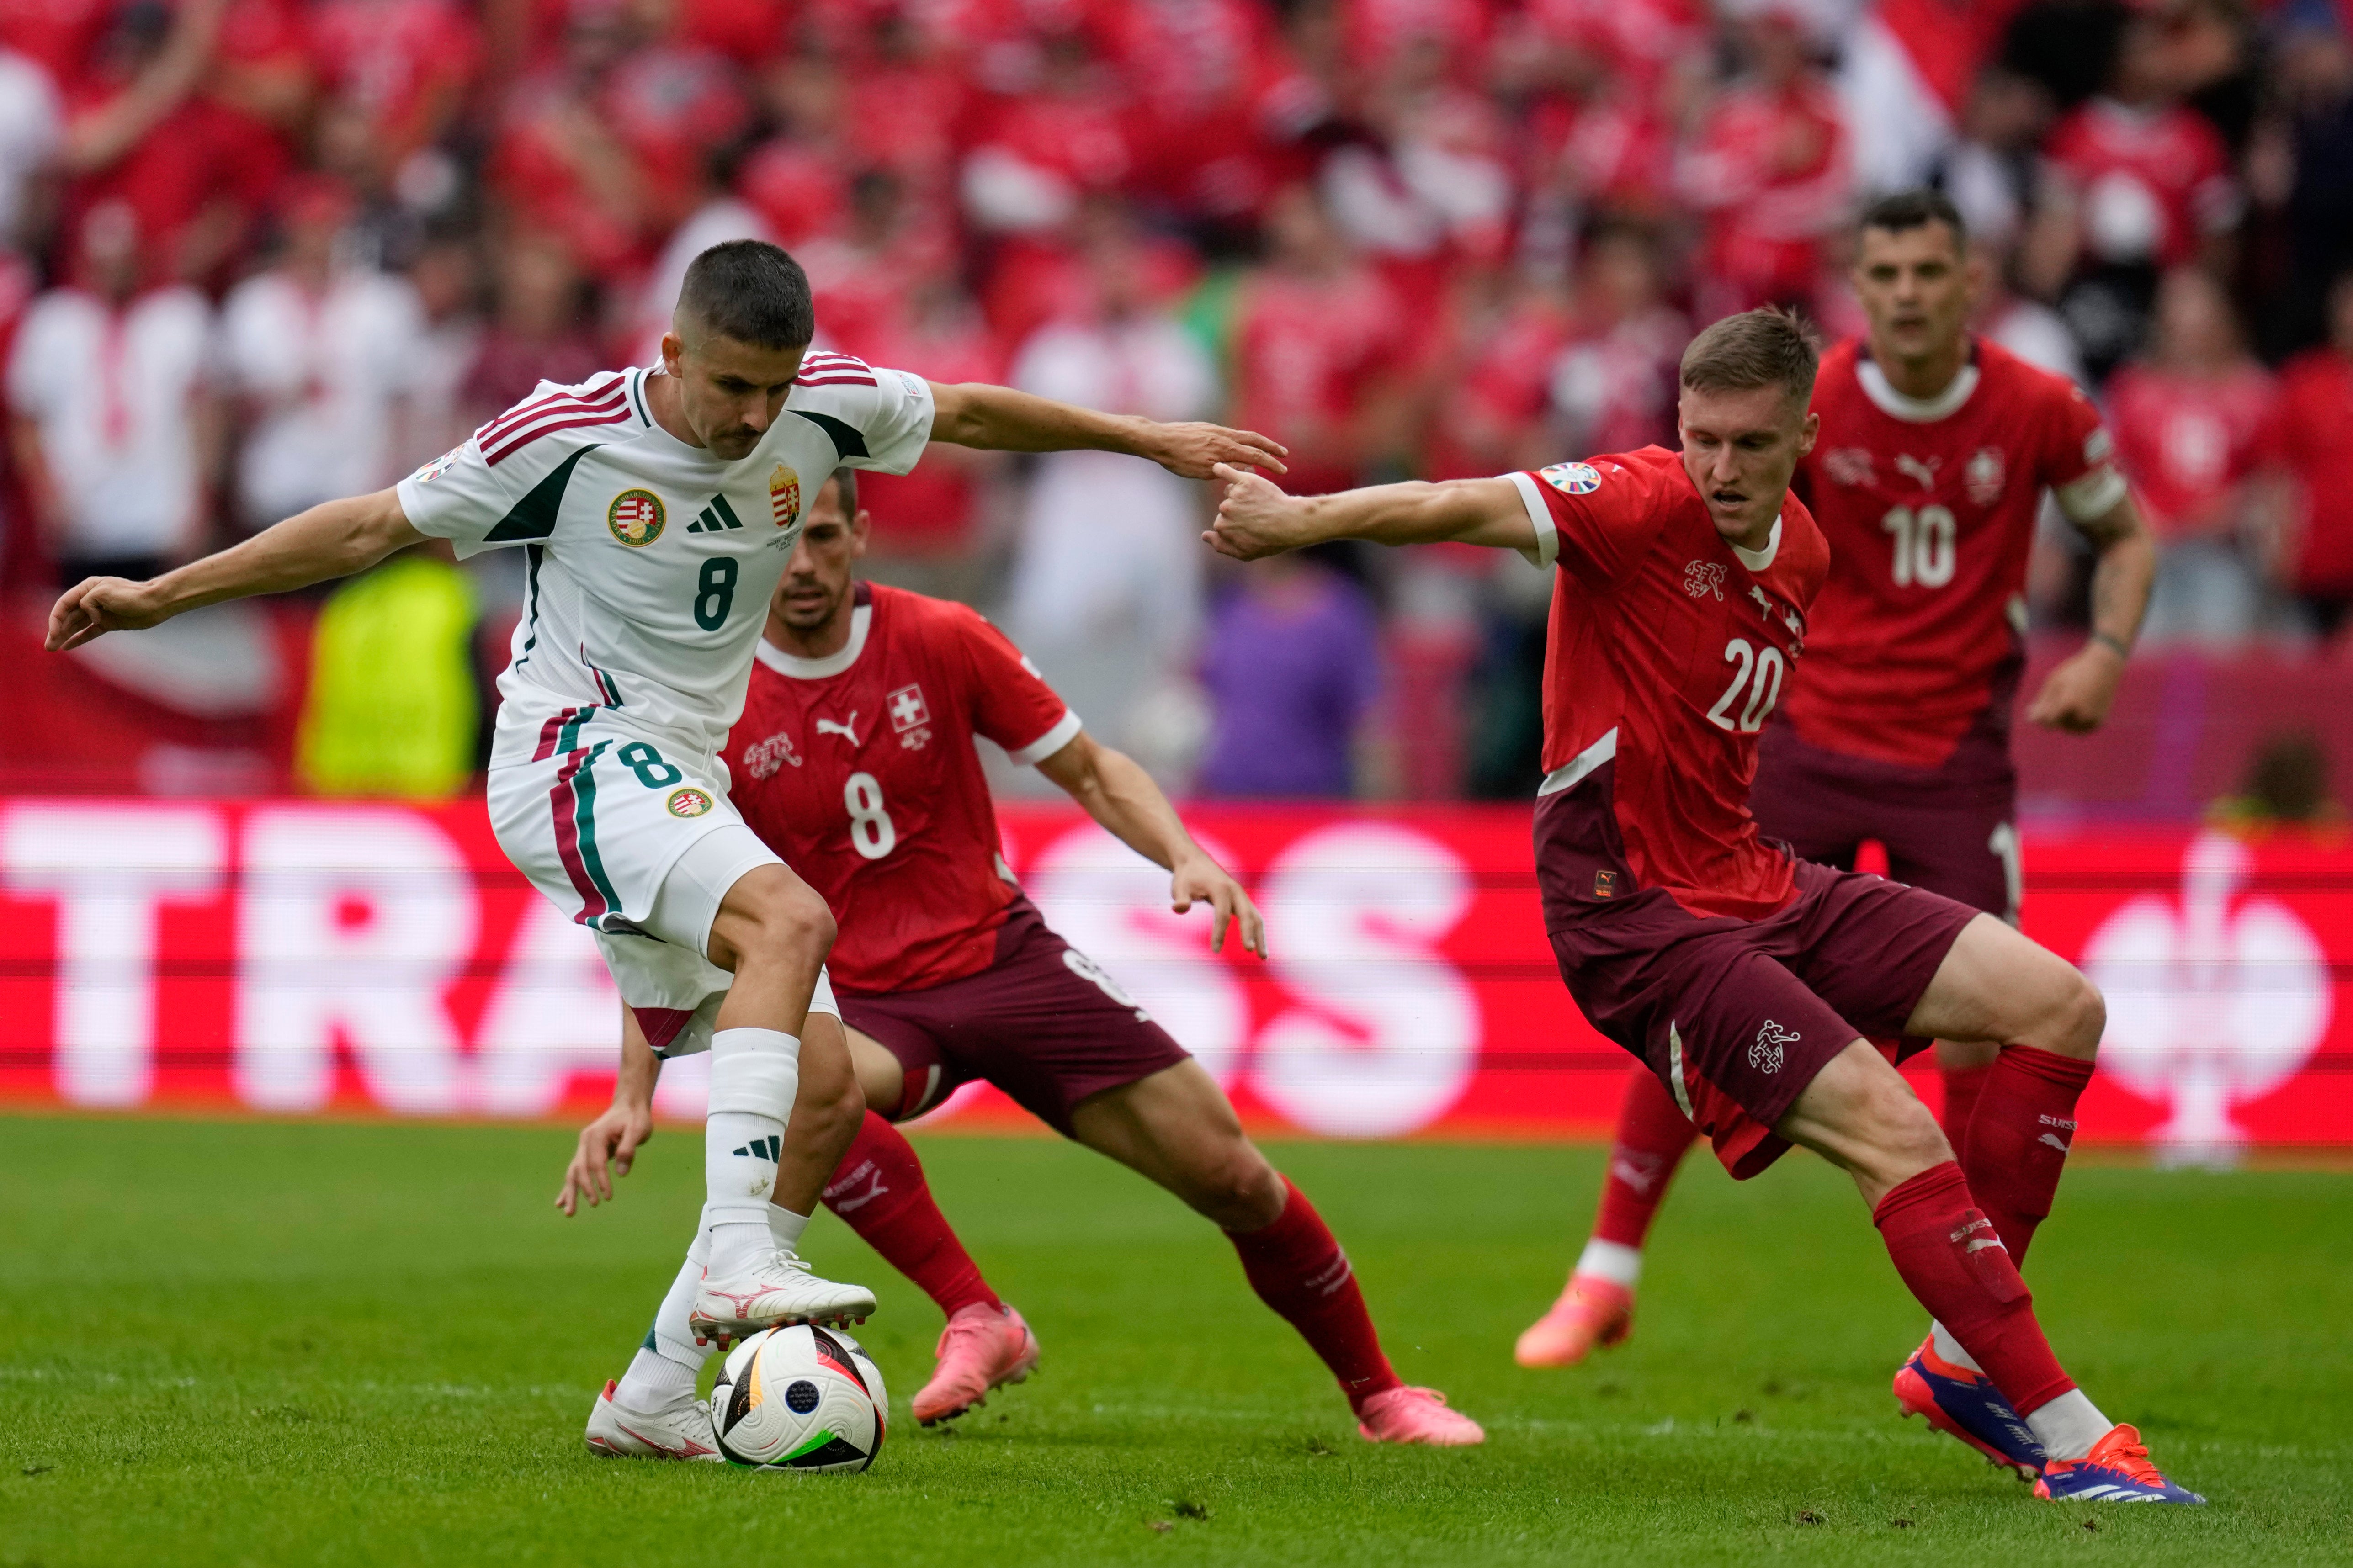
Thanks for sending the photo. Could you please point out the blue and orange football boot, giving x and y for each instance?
(1965, 1404)
(2116, 1471)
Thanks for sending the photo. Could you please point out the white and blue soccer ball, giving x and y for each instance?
(800, 1398)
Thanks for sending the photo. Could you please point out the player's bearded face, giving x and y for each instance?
(1740, 449)
(1916, 288)
(818, 578)
(730, 392)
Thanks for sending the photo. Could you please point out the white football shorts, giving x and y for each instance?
(640, 845)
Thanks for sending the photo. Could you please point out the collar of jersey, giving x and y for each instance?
(841, 658)
(1755, 560)
(1915, 410)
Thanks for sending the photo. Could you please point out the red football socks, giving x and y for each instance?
(2019, 1137)
(1954, 1264)
(879, 1192)
(1962, 1087)
(1296, 1266)
(1653, 1136)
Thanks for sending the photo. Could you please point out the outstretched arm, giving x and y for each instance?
(997, 418)
(1121, 796)
(613, 1138)
(2077, 695)
(1256, 519)
(335, 539)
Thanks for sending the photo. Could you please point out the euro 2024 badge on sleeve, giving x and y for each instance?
(636, 517)
(1572, 478)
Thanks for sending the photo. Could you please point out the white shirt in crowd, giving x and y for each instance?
(112, 392)
(1106, 590)
(330, 374)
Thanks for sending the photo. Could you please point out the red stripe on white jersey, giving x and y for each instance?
(835, 378)
(494, 457)
(523, 413)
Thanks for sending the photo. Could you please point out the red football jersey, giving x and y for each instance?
(1668, 648)
(2311, 431)
(2187, 440)
(859, 769)
(1929, 508)
(2149, 184)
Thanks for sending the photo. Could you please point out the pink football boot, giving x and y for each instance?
(1589, 1312)
(982, 1347)
(1416, 1416)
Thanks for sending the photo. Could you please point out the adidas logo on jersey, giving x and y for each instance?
(715, 518)
(771, 1149)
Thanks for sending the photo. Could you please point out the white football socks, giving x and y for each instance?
(785, 1228)
(1612, 1260)
(755, 1074)
(2069, 1425)
(1949, 1349)
(665, 1367)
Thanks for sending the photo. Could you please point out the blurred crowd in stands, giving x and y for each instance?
(259, 253)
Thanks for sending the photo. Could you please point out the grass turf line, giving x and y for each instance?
(377, 1344)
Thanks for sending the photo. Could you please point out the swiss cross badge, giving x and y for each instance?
(784, 496)
(910, 716)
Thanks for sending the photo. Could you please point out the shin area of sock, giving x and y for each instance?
(879, 1192)
(1652, 1137)
(2019, 1137)
(1296, 1266)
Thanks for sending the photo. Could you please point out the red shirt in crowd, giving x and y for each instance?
(2311, 432)
(401, 62)
(2186, 441)
(1306, 354)
(2150, 184)
(1772, 172)
(1668, 648)
(859, 769)
(1929, 508)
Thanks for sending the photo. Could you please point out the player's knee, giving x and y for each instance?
(1234, 1186)
(1901, 1135)
(792, 922)
(2080, 1017)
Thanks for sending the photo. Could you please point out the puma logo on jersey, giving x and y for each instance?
(715, 518)
(1926, 472)
(846, 730)
(1767, 1052)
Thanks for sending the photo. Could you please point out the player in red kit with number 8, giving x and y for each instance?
(1749, 983)
(855, 757)
(1936, 448)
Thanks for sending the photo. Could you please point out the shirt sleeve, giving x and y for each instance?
(1590, 517)
(32, 364)
(2079, 462)
(888, 412)
(1011, 703)
(460, 498)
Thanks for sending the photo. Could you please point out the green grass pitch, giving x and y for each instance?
(225, 1342)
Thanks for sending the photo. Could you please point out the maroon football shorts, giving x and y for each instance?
(1735, 1017)
(1953, 831)
(1041, 1022)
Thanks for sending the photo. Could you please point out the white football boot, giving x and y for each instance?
(678, 1431)
(780, 1289)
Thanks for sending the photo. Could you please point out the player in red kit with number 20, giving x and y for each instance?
(855, 757)
(1936, 450)
(1748, 981)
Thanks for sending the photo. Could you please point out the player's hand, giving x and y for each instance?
(613, 1138)
(2077, 696)
(1255, 519)
(96, 605)
(1193, 449)
(1202, 880)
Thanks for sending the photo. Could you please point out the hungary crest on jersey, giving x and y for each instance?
(636, 517)
(784, 495)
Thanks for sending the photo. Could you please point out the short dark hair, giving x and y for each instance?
(1916, 208)
(752, 292)
(1765, 347)
(848, 479)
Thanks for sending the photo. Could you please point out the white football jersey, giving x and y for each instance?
(651, 561)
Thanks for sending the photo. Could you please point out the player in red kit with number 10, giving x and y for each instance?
(1936, 448)
(855, 757)
(1749, 983)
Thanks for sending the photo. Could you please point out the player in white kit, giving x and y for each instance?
(658, 506)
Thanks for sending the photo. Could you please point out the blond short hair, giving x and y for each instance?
(1766, 347)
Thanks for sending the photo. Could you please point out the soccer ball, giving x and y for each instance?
(800, 1398)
